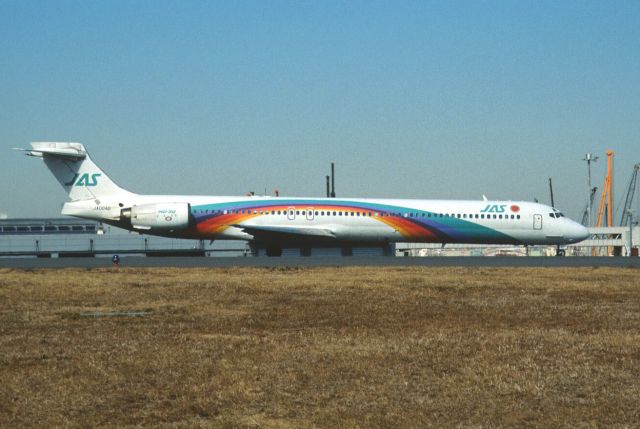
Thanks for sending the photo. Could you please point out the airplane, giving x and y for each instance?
(280, 222)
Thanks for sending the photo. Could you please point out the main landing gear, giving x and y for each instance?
(274, 251)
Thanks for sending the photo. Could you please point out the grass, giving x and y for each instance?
(320, 347)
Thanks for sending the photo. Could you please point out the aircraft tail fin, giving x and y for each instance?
(71, 165)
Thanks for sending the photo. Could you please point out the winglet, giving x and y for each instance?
(484, 197)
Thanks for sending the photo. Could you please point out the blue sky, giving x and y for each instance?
(448, 99)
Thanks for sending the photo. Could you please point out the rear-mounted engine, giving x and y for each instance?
(171, 216)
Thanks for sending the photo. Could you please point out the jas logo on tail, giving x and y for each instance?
(494, 208)
(85, 179)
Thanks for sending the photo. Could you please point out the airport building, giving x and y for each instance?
(71, 237)
(603, 241)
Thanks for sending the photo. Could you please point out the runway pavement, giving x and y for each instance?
(344, 261)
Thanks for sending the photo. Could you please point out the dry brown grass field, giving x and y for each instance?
(320, 347)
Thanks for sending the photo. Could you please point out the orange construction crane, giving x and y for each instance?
(606, 200)
(607, 194)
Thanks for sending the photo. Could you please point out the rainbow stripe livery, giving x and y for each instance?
(412, 225)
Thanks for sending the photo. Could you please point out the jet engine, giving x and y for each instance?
(168, 216)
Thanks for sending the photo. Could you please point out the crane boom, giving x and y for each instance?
(606, 200)
(631, 190)
(585, 212)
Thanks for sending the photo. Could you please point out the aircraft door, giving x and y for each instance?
(309, 213)
(291, 213)
(537, 221)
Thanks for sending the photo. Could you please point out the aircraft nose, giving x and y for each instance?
(578, 232)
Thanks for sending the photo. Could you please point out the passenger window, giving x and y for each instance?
(297, 212)
(518, 216)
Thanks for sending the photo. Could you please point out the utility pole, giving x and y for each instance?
(333, 181)
(559, 252)
(630, 213)
(589, 158)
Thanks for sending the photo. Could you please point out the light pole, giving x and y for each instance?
(589, 158)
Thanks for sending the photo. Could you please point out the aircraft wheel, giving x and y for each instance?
(274, 251)
(561, 252)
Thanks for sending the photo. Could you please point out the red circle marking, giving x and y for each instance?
(515, 208)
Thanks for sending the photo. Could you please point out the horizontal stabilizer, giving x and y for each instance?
(69, 151)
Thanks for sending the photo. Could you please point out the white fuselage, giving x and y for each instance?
(348, 219)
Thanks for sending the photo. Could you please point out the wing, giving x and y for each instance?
(287, 233)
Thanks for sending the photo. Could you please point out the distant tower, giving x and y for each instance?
(333, 181)
(589, 158)
(328, 189)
